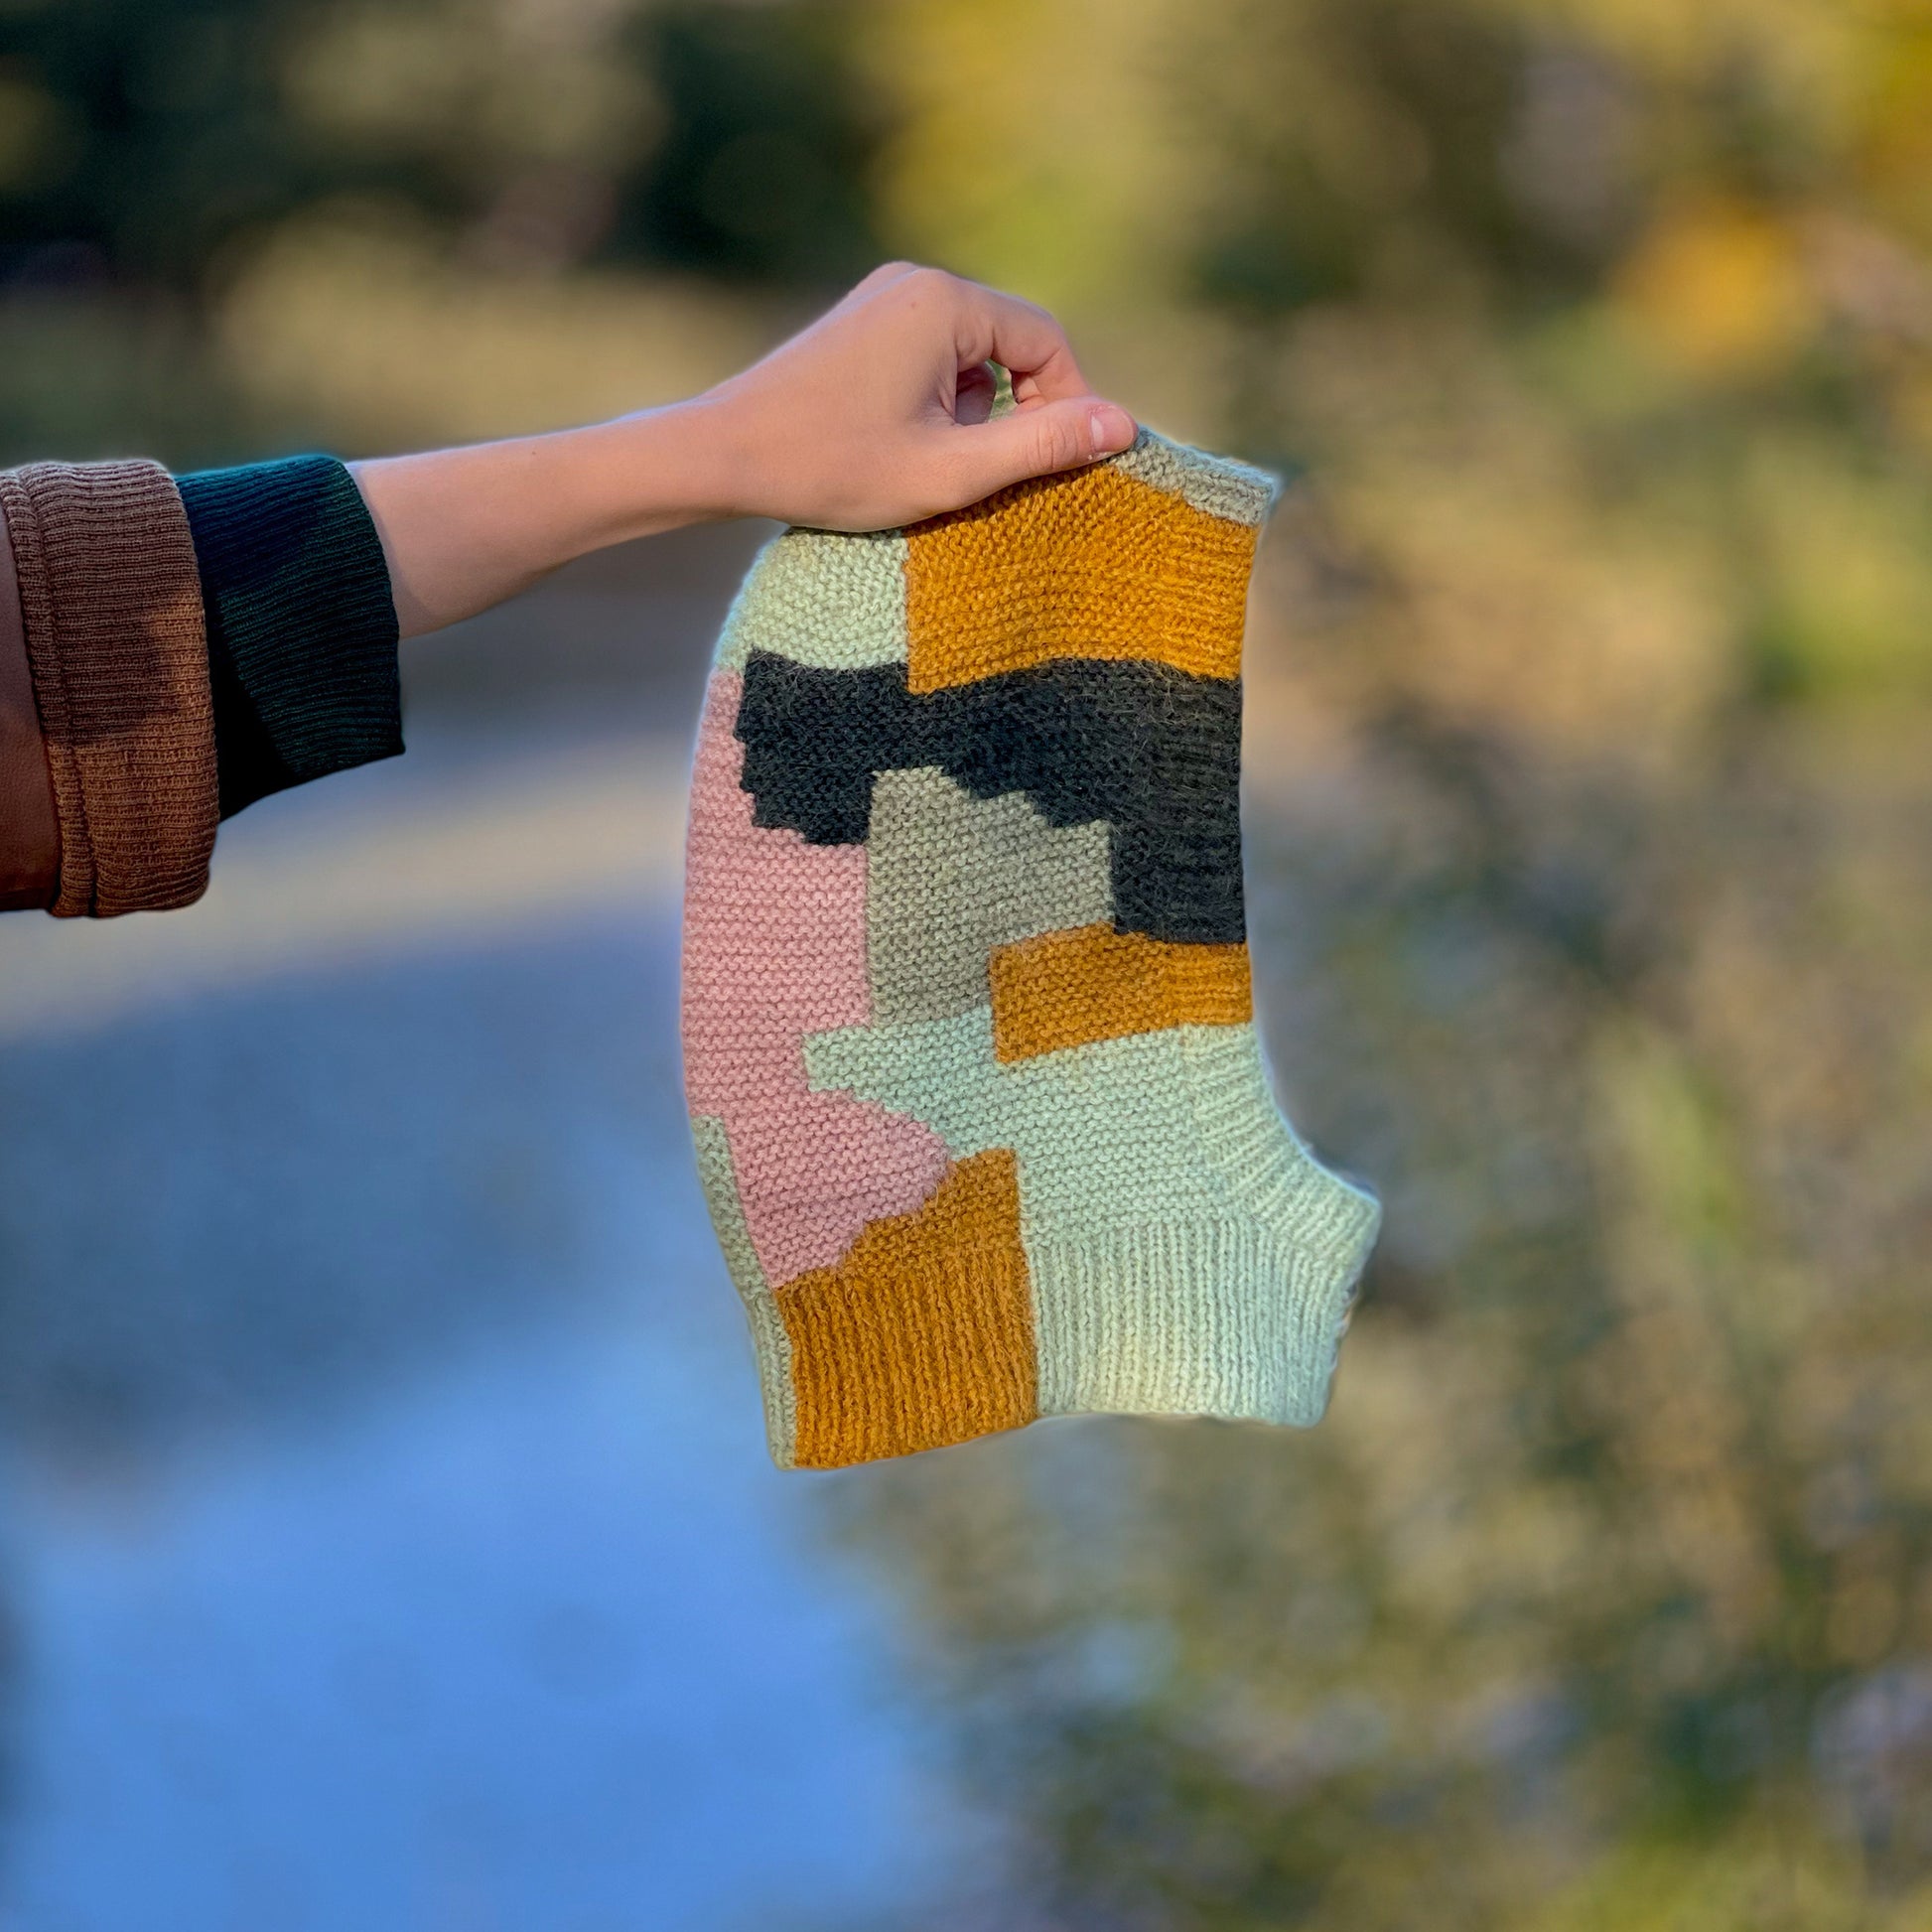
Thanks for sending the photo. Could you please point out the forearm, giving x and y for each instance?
(874, 417)
(464, 530)
(194, 644)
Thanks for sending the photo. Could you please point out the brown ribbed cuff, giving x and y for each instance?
(30, 834)
(111, 602)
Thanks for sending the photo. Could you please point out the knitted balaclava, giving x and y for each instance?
(980, 1110)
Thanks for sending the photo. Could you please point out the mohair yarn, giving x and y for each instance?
(980, 1109)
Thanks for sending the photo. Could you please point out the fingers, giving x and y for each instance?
(974, 396)
(986, 327)
(1026, 340)
(880, 276)
(953, 330)
(1061, 435)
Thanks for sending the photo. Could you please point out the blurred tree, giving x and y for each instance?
(151, 141)
(769, 139)
(140, 135)
(192, 193)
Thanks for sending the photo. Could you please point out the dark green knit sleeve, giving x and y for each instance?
(301, 625)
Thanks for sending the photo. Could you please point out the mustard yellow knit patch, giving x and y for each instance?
(1071, 987)
(923, 1334)
(1095, 565)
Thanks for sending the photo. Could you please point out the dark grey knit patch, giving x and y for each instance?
(1151, 751)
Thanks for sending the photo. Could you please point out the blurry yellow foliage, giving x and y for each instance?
(1720, 289)
(1894, 150)
(1033, 147)
(1814, 58)
(1790, 1875)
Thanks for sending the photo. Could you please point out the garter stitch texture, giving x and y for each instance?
(980, 1109)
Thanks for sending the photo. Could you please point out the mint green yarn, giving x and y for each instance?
(769, 1340)
(1222, 1317)
(1214, 484)
(1104, 1133)
(1189, 1254)
(837, 600)
(819, 598)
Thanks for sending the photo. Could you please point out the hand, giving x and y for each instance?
(878, 414)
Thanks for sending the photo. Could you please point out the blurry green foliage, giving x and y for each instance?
(105, 380)
(143, 141)
(767, 143)
(1590, 868)
(1439, 82)
(156, 154)
(143, 137)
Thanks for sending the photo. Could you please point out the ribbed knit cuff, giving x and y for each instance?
(110, 605)
(301, 625)
(30, 831)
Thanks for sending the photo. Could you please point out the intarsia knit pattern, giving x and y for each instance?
(981, 1113)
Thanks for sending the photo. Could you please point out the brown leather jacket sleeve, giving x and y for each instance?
(30, 838)
(109, 605)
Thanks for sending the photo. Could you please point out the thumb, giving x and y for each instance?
(1034, 441)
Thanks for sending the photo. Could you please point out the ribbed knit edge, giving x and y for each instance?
(1266, 1169)
(771, 1348)
(876, 1381)
(30, 831)
(301, 624)
(1328, 1225)
(111, 606)
(1220, 1318)
(771, 1342)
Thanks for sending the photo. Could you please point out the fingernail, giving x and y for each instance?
(1111, 429)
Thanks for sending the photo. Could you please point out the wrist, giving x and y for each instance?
(662, 469)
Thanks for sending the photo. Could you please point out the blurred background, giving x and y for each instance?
(385, 1535)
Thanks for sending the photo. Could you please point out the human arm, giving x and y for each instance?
(876, 415)
(231, 633)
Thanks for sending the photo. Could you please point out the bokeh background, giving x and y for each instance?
(384, 1529)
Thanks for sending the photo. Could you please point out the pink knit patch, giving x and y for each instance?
(774, 948)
